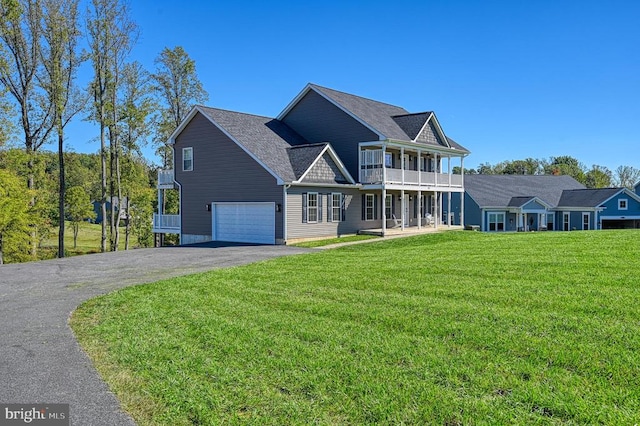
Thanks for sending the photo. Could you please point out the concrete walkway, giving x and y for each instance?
(40, 360)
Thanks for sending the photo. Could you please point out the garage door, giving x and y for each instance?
(244, 222)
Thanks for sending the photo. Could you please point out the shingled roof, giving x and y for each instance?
(587, 197)
(302, 156)
(499, 190)
(390, 121)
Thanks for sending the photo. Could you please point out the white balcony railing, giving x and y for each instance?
(411, 177)
(165, 178)
(166, 223)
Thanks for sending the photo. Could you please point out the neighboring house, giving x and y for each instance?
(97, 208)
(524, 203)
(330, 164)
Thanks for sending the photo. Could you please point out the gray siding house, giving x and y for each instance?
(330, 164)
(529, 203)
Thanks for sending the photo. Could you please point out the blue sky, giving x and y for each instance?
(507, 79)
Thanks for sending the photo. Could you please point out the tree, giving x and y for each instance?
(61, 61)
(626, 176)
(566, 165)
(178, 89)
(79, 208)
(14, 214)
(598, 177)
(110, 39)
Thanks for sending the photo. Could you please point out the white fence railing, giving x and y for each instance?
(411, 177)
(165, 177)
(166, 222)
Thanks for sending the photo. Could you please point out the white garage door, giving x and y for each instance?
(244, 222)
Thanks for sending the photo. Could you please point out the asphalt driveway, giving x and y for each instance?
(40, 360)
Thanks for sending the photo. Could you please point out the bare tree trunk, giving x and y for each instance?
(61, 194)
(103, 201)
(128, 228)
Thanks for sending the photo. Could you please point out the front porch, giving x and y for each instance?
(409, 230)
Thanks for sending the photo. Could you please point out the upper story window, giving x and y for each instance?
(187, 159)
(388, 160)
(623, 204)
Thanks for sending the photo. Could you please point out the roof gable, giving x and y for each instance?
(264, 139)
(595, 197)
(324, 168)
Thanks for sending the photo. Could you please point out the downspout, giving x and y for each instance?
(284, 212)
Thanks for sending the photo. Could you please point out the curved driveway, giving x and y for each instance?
(40, 360)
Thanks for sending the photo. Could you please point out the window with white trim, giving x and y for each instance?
(369, 207)
(336, 207)
(187, 159)
(623, 204)
(496, 221)
(312, 207)
(585, 221)
(388, 204)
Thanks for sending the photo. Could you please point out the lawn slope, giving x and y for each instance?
(452, 328)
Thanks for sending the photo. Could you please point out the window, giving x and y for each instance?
(336, 207)
(565, 221)
(187, 159)
(388, 160)
(622, 204)
(496, 221)
(550, 221)
(312, 207)
(388, 206)
(369, 207)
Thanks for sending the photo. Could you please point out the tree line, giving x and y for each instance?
(40, 56)
(595, 177)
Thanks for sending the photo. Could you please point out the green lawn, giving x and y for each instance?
(89, 237)
(329, 241)
(446, 329)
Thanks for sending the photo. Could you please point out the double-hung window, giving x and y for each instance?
(496, 221)
(336, 207)
(369, 207)
(312, 207)
(187, 159)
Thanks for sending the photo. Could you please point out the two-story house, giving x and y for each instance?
(330, 164)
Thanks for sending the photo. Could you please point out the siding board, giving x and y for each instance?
(222, 171)
(318, 120)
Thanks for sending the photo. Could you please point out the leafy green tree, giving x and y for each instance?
(61, 59)
(566, 165)
(78, 209)
(178, 89)
(598, 177)
(14, 217)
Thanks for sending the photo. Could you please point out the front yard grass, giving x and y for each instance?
(446, 329)
(330, 241)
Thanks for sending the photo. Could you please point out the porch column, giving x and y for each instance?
(419, 168)
(462, 208)
(435, 212)
(419, 208)
(435, 172)
(384, 209)
(402, 205)
(402, 163)
(384, 165)
(449, 206)
(449, 167)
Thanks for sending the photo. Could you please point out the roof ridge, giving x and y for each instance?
(236, 112)
(412, 113)
(355, 96)
(308, 145)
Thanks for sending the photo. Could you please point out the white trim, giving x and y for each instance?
(316, 207)
(634, 217)
(284, 211)
(627, 191)
(306, 90)
(588, 216)
(373, 207)
(189, 117)
(185, 149)
(626, 203)
(333, 216)
(335, 158)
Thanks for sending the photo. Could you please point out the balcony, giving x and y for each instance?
(411, 178)
(166, 223)
(165, 179)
